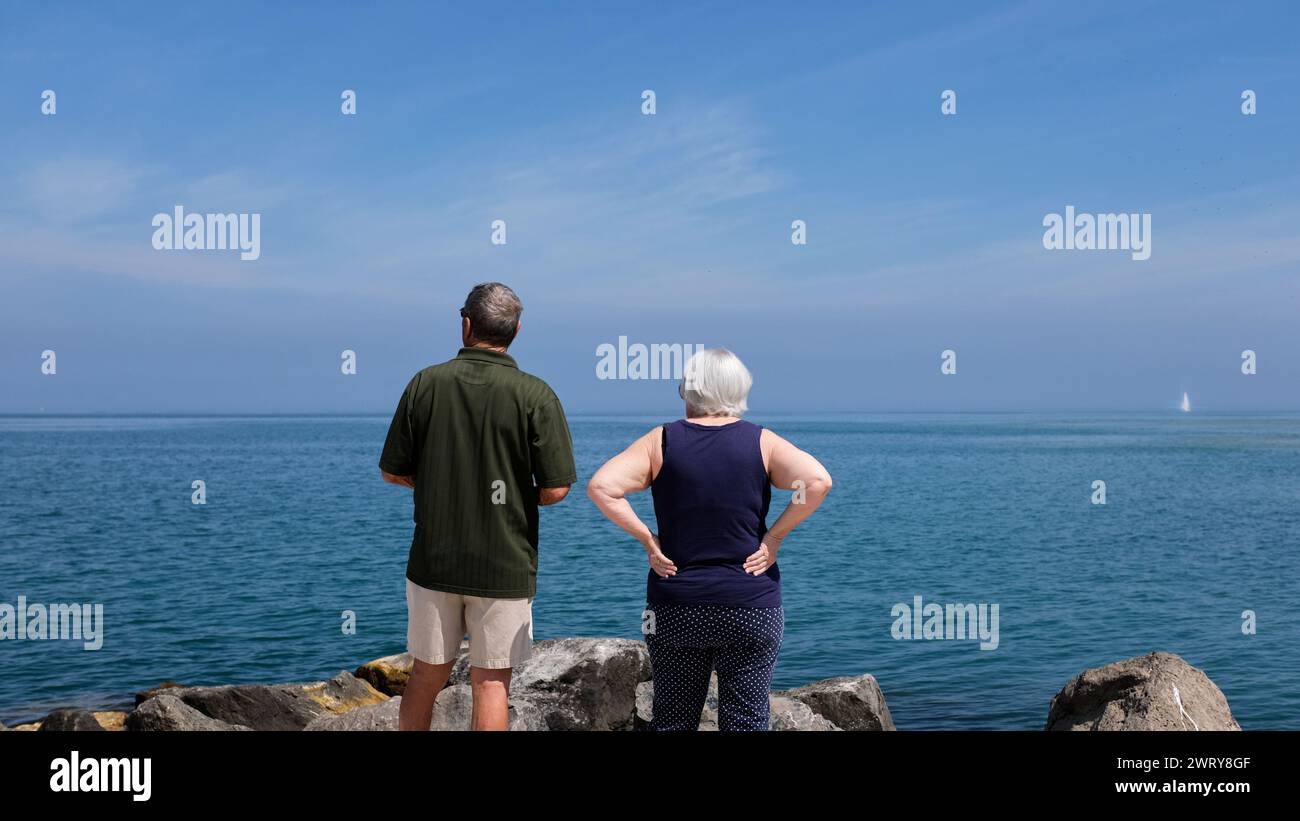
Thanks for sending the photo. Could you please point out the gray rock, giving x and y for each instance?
(583, 684)
(280, 706)
(343, 693)
(142, 697)
(645, 702)
(460, 670)
(849, 703)
(791, 714)
(567, 684)
(258, 706)
(381, 716)
(166, 712)
(70, 721)
(1158, 691)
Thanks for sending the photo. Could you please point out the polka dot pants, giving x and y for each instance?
(688, 642)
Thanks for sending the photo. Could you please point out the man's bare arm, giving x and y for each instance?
(404, 481)
(551, 495)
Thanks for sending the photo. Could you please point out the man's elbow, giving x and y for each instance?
(393, 479)
(552, 495)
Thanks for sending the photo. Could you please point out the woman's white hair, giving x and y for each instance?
(715, 383)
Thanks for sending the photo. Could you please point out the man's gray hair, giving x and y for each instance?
(493, 311)
(716, 383)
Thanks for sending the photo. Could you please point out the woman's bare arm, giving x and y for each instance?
(790, 469)
(629, 472)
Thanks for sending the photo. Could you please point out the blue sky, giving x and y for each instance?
(924, 231)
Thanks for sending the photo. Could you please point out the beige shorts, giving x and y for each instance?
(500, 630)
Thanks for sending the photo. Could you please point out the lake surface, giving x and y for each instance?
(1201, 523)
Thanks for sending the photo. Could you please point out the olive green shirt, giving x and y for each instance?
(480, 437)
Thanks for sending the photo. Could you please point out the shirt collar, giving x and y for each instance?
(485, 355)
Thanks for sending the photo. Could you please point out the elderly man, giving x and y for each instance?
(483, 445)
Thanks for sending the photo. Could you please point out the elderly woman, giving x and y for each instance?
(713, 594)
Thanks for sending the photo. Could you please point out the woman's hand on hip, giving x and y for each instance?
(762, 559)
(659, 563)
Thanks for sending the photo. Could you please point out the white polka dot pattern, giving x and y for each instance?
(690, 641)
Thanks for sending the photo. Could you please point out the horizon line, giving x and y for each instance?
(1173, 411)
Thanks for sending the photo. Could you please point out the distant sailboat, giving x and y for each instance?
(1186, 405)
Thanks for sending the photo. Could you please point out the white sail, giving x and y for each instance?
(1187, 405)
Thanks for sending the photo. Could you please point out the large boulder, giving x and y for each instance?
(70, 720)
(167, 712)
(583, 684)
(389, 674)
(257, 706)
(343, 693)
(142, 697)
(280, 706)
(850, 702)
(791, 714)
(1158, 691)
(567, 684)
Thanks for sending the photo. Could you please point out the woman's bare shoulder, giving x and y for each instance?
(769, 439)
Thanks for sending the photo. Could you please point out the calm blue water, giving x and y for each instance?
(1202, 522)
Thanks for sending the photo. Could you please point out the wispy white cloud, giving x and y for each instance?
(78, 188)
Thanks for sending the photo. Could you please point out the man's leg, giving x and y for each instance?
(491, 690)
(435, 625)
(500, 639)
(422, 688)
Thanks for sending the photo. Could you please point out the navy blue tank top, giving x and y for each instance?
(711, 499)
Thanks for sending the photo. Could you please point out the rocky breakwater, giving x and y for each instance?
(605, 684)
(568, 684)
